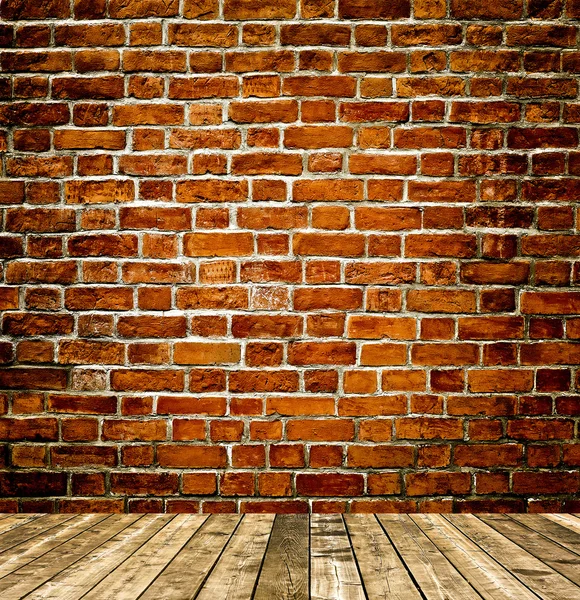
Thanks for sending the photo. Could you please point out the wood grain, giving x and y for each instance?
(383, 573)
(436, 576)
(290, 557)
(28, 551)
(130, 579)
(333, 569)
(533, 573)
(235, 575)
(186, 573)
(26, 579)
(560, 559)
(484, 574)
(285, 571)
(80, 577)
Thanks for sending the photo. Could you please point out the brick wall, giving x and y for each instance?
(269, 255)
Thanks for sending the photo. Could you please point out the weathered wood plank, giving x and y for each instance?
(540, 578)
(384, 575)
(484, 574)
(284, 574)
(24, 553)
(551, 529)
(35, 573)
(565, 562)
(235, 574)
(436, 576)
(130, 579)
(185, 574)
(10, 522)
(29, 530)
(75, 581)
(333, 571)
(267, 557)
(567, 521)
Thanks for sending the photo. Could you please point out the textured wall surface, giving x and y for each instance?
(286, 255)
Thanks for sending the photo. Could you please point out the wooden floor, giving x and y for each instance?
(267, 557)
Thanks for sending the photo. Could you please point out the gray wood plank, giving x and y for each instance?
(185, 574)
(235, 574)
(21, 555)
(76, 580)
(551, 529)
(436, 576)
(17, 536)
(539, 577)
(565, 562)
(34, 574)
(130, 579)
(284, 574)
(484, 574)
(384, 575)
(333, 570)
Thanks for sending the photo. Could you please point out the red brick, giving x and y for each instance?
(308, 353)
(435, 301)
(372, 406)
(438, 483)
(373, 9)
(325, 456)
(143, 483)
(463, 9)
(545, 483)
(380, 456)
(246, 9)
(488, 455)
(429, 428)
(360, 112)
(324, 85)
(323, 484)
(192, 457)
(277, 61)
(286, 455)
(328, 244)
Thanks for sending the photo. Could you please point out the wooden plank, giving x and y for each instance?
(435, 575)
(533, 573)
(551, 529)
(130, 579)
(484, 574)
(383, 573)
(75, 581)
(17, 536)
(333, 570)
(235, 574)
(34, 574)
(13, 521)
(284, 573)
(565, 562)
(21, 555)
(567, 521)
(185, 574)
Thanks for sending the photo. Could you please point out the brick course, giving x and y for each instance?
(289, 255)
